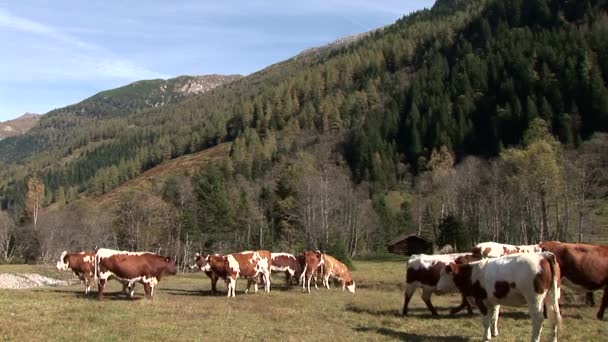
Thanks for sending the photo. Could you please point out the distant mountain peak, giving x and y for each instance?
(18, 126)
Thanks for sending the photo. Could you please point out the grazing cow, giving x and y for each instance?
(424, 271)
(584, 267)
(143, 267)
(512, 280)
(232, 266)
(310, 262)
(82, 264)
(212, 275)
(285, 262)
(335, 269)
(495, 249)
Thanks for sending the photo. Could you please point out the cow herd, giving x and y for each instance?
(490, 275)
(255, 266)
(495, 274)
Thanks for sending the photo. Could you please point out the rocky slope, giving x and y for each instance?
(18, 126)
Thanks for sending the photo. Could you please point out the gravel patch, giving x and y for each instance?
(27, 281)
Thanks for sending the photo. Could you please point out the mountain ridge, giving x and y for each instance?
(19, 125)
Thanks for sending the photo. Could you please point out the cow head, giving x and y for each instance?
(350, 286)
(202, 262)
(446, 279)
(63, 263)
(170, 267)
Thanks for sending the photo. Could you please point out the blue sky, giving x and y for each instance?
(55, 53)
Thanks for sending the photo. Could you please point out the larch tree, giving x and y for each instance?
(33, 199)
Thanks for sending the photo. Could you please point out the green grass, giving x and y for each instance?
(183, 309)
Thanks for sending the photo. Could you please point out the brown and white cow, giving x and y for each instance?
(424, 271)
(495, 249)
(212, 275)
(512, 280)
(232, 266)
(333, 268)
(285, 262)
(584, 267)
(142, 267)
(310, 262)
(81, 263)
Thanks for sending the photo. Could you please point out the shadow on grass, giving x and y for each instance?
(119, 295)
(410, 337)
(418, 312)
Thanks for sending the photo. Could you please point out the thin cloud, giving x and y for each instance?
(87, 60)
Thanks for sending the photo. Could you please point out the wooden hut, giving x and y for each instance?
(410, 244)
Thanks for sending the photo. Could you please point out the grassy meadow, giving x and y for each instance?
(184, 309)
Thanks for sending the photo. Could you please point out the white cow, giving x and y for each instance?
(495, 249)
(511, 280)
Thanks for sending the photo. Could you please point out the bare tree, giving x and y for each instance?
(6, 229)
(33, 199)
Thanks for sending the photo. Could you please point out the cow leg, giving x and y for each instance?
(410, 289)
(589, 299)
(303, 279)
(87, 283)
(309, 279)
(249, 282)
(426, 297)
(463, 304)
(231, 286)
(535, 309)
(101, 284)
(266, 276)
(131, 290)
(214, 279)
(600, 312)
(494, 311)
(326, 281)
(148, 290)
(486, 320)
(552, 312)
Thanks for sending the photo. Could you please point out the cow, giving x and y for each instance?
(285, 262)
(512, 280)
(82, 264)
(143, 267)
(495, 249)
(310, 263)
(584, 267)
(212, 275)
(424, 271)
(232, 266)
(335, 269)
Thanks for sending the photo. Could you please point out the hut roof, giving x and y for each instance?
(406, 237)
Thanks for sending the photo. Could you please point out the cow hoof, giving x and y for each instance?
(599, 316)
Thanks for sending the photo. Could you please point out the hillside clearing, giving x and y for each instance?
(185, 165)
(184, 309)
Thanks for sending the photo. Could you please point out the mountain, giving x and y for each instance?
(484, 85)
(60, 131)
(18, 126)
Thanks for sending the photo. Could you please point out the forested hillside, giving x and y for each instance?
(470, 121)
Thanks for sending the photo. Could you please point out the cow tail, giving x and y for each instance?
(554, 266)
(96, 265)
